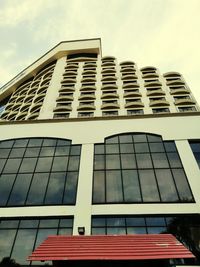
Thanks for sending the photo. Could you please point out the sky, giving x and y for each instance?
(160, 33)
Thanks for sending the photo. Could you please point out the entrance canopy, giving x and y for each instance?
(110, 247)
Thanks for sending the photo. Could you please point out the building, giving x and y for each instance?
(93, 146)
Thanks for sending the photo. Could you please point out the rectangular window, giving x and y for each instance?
(195, 146)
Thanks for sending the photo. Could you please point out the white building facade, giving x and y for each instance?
(90, 142)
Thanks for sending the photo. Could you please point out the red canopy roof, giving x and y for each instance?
(115, 247)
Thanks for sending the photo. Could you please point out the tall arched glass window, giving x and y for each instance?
(38, 171)
(138, 168)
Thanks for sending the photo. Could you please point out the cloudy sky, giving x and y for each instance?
(161, 33)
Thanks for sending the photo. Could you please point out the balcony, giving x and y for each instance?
(132, 94)
(87, 97)
(134, 104)
(179, 91)
(109, 95)
(156, 103)
(110, 106)
(155, 92)
(86, 107)
(64, 98)
(184, 101)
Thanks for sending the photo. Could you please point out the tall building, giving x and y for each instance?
(96, 147)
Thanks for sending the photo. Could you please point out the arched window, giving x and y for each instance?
(38, 171)
(138, 168)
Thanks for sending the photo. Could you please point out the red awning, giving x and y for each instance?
(115, 247)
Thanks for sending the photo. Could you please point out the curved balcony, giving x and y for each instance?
(64, 98)
(110, 106)
(88, 80)
(29, 98)
(179, 91)
(10, 105)
(33, 116)
(35, 83)
(107, 71)
(39, 98)
(88, 88)
(129, 77)
(175, 82)
(25, 107)
(172, 74)
(132, 94)
(109, 87)
(109, 96)
(87, 97)
(86, 107)
(127, 63)
(148, 69)
(16, 107)
(155, 92)
(107, 63)
(152, 84)
(66, 89)
(158, 103)
(184, 102)
(130, 85)
(36, 107)
(62, 108)
(21, 98)
(68, 81)
(42, 89)
(109, 79)
(44, 70)
(150, 75)
(32, 90)
(4, 115)
(134, 104)
(89, 65)
(21, 116)
(108, 58)
(89, 72)
(12, 115)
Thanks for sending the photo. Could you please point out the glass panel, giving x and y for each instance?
(135, 221)
(28, 165)
(9, 223)
(47, 151)
(65, 231)
(116, 221)
(112, 149)
(21, 143)
(131, 186)
(43, 234)
(43, 165)
(99, 149)
(35, 142)
(55, 188)
(63, 142)
(4, 152)
(154, 138)
(36, 193)
(195, 147)
(12, 166)
(75, 150)
(60, 164)
(136, 230)
(174, 160)
(71, 188)
(160, 160)
(126, 138)
(112, 162)
(20, 189)
(156, 147)
(99, 187)
(155, 221)
(166, 186)
(141, 148)
(66, 222)
(116, 231)
(144, 161)
(170, 146)
(6, 183)
(156, 230)
(182, 185)
(113, 186)
(6, 242)
(99, 161)
(48, 223)
(29, 223)
(148, 186)
(73, 163)
(17, 153)
(23, 245)
(197, 157)
(6, 144)
(139, 138)
(32, 152)
(126, 148)
(2, 163)
(98, 222)
(128, 161)
(111, 140)
(98, 231)
(49, 142)
(62, 150)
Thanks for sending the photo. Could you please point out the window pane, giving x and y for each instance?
(139, 138)
(128, 161)
(160, 160)
(154, 138)
(170, 146)
(116, 222)
(17, 153)
(111, 140)
(116, 231)
(166, 186)
(156, 147)
(126, 138)
(60, 164)
(148, 186)
(21, 143)
(144, 161)
(6, 242)
(131, 186)
(43, 165)
(62, 150)
(112, 149)
(99, 162)
(112, 162)
(65, 231)
(98, 222)
(20, 189)
(141, 148)
(182, 185)
(113, 186)
(47, 151)
(32, 152)
(6, 183)
(36, 193)
(155, 221)
(71, 188)
(43, 234)
(4, 152)
(55, 188)
(49, 142)
(12, 166)
(136, 230)
(174, 160)
(98, 231)
(35, 142)
(23, 245)
(75, 150)
(2, 163)
(6, 144)
(156, 230)
(99, 149)
(195, 147)
(9, 224)
(63, 142)
(48, 223)
(73, 163)
(126, 148)
(28, 165)
(135, 221)
(66, 222)
(29, 223)
(99, 187)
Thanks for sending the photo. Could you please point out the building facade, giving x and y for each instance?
(93, 146)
